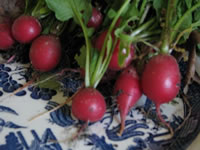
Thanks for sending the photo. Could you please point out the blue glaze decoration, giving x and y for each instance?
(62, 116)
(7, 110)
(41, 93)
(9, 124)
(21, 93)
(140, 144)
(1, 93)
(131, 130)
(98, 143)
(12, 143)
(16, 141)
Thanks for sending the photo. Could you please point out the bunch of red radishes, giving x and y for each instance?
(160, 79)
(160, 82)
(45, 51)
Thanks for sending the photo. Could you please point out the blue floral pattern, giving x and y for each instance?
(140, 133)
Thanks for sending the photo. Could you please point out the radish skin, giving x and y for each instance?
(96, 19)
(114, 65)
(26, 28)
(161, 81)
(6, 39)
(128, 86)
(88, 105)
(45, 53)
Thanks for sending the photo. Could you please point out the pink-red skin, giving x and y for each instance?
(26, 28)
(114, 65)
(128, 90)
(6, 39)
(88, 105)
(96, 19)
(161, 81)
(45, 53)
(161, 78)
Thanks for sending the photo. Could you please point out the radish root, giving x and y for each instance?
(49, 111)
(122, 126)
(163, 121)
(81, 129)
(55, 108)
(188, 115)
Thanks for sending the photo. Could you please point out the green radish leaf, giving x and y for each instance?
(81, 58)
(188, 3)
(63, 10)
(197, 15)
(132, 11)
(117, 4)
(159, 5)
(125, 37)
(137, 3)
(48, 81)
(124, 50)
(90, 31)
(111, 13)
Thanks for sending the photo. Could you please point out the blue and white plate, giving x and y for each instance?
(54, 130)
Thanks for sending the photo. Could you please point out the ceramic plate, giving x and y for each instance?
(54, 130)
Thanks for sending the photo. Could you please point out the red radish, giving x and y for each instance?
(88, 105)
(128, 89)
(96, 18)
(26, 28)
(161, 80)
(114, 65)
(6, 39)
(45, 53)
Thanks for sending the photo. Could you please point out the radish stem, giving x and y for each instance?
(98, 74)
(88, 46)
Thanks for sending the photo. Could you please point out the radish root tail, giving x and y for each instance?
(163, 121)
(81, 129)
(121, 127)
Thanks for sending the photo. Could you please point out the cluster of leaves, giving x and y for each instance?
(162, 25)
(179, 19)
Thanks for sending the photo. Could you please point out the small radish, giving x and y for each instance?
(161, 81)
(26, 28)
(114, 63)
(6, 39)
(45, 53)
(96, 19)
(128, 90)
(88, 105)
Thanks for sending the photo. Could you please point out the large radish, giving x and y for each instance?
(161, 81)
(128, 90)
